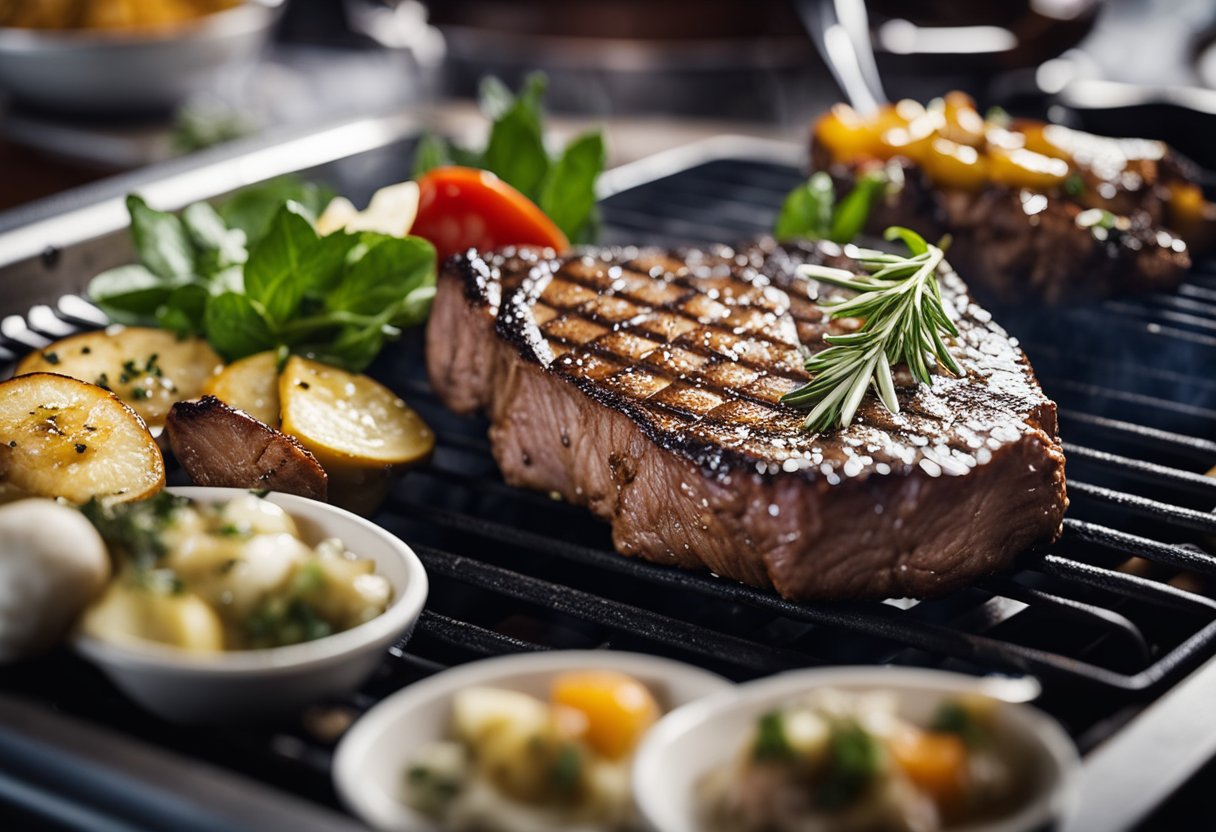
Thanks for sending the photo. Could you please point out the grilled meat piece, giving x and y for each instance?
(1017, 246)
(1039, 213)
(644, 385)
(219, 445)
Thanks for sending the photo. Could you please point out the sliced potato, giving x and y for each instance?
(250, 384)
(149, 369)
(64, 438)
(357, 429)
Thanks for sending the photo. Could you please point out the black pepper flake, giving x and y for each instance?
(303, 385)
(51, 358)
(12, 443)
(81, 447)
(86, 350)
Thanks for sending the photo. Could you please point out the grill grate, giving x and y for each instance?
(1109, 617)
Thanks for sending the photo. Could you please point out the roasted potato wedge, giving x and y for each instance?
(61, 437)
(250, 384)
(149, 369)
(359, 430)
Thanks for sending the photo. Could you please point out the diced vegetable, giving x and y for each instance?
(477, 711)
(856, 757)
(131, 613)
(250, 384)
(149, 369)
(61, 437)
(936, 762)
(619, 708)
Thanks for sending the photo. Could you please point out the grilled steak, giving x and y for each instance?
(645, 384)
(1018, 246)
(222, 446)
(1039, 213)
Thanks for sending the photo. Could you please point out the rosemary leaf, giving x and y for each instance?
(905, 322)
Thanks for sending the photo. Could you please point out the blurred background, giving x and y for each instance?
(93, 87)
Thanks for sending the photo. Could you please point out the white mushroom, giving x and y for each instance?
(52, 563)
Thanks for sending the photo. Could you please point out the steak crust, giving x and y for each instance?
(644, 385)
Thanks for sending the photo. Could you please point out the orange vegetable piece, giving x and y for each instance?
(619, 708)
(936, 763)
(954, 165)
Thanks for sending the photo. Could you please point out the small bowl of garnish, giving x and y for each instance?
(226, 604)
(542, 742)
(860, 750)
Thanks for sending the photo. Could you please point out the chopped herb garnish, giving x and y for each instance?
(139, 393)
(855, 757)
(233, 530)
(81, 447)
(1074, 185)
(103, 381)
(771, 743)
(152, 367)
(567, 771)
(954, 718)
(51, 358)
(134, 530)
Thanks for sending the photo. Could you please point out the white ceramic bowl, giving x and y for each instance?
(374, 754)
(107, 72)
(690, 742)
(190, 687)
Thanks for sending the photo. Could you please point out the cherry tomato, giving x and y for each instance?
(462, 208)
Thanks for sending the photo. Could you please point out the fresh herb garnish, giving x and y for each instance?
(771, 743)
(567, 770)
(562, 186)
(953, 718)
(855, 757)
(905, 322)
(811, 211)
(337, 297)
(135, 530)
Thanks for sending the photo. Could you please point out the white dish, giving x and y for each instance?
(130, 71)
(692, 741)
(192, 687)
(374, 754)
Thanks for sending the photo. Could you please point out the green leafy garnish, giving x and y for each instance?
(954, 718)
(562, 186)
(905, 322)
(771, 744)
(811, 211)
(567, 769)
(135, 530)
(855, 757)
(282, 621)
(337, 297)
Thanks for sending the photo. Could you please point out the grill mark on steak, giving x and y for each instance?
(680, 441)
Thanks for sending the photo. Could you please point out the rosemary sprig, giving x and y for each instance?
(905, 322)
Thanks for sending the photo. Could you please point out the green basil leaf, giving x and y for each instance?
(326, 260)
(854, 210)
(568, 193)
(218, 246)
(129, 294)
(183, 311)
(354, 348)
(252, 209)
(516, 150)
(235, 327)
(275, 275)
(807, 211)
(161, 242)
(432, 152)
(416, 307)
(388, 271)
